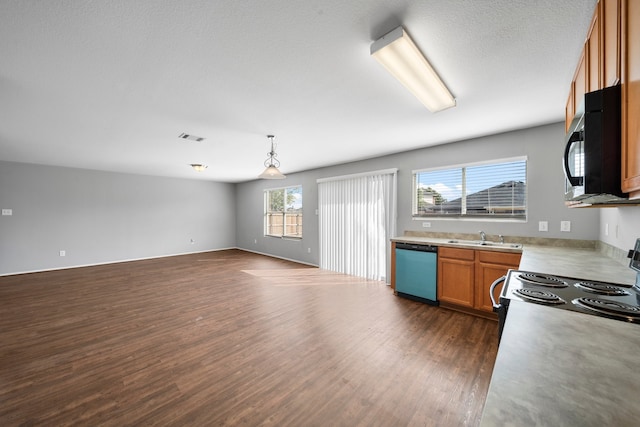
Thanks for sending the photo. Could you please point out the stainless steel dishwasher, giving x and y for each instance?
(416, 272)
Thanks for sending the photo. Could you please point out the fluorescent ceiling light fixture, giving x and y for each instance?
(198, 167)
(272, 164)
(402, 58)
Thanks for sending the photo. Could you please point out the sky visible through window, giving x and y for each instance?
(294, 196)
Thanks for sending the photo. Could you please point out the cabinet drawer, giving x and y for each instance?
(504, 258)
(461, 254)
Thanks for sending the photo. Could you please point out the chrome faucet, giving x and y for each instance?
(483, 236)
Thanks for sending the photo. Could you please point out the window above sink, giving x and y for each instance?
(495, 189)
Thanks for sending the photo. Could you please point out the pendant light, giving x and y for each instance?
(272, 163)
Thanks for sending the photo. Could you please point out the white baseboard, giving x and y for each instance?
(113, 262)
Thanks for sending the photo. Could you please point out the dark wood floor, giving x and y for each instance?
(233, 338)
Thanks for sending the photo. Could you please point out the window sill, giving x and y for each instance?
(469, 219)
(296, 239)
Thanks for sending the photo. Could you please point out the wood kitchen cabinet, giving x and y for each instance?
(610, 12)
(611, 56)
(465, 276)
(577, 90)
(489, 267)
(570, 110)
(630, 29)
(456, 268)
(593, 56)
(599, 63)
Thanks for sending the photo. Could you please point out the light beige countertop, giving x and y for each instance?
(562, 368)
(447, 243)
(588, 264)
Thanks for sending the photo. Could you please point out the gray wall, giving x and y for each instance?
(542, 145)
(623, 226)
(99, 217)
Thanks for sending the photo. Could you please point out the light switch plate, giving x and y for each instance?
(565, 226)
(543, 226)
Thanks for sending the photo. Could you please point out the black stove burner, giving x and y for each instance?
(615, 309)
(542, 280)
(601, 288)
(539, 296)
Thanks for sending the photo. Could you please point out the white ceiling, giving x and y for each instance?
(109, 85)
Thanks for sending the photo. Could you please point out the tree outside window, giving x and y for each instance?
(283, 212)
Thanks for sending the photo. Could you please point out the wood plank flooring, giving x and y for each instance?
(233, 338)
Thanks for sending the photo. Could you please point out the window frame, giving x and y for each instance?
(464, 185)
(268, 226)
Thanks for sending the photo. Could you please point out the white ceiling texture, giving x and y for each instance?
(110, 85)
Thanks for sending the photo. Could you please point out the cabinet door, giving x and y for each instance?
(455, 281)
(490, 266)
(486, 274)
(569, 110)
(610, 24)
(631, 97)
(592, 49)
(580, 83)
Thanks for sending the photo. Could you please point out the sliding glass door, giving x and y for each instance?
(357, 215)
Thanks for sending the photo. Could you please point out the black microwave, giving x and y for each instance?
(592, 155)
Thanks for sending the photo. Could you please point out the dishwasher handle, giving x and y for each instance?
(494, 303)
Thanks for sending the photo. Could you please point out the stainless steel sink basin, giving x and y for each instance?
(485, 243)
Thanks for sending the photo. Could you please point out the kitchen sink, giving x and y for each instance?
(486, 243)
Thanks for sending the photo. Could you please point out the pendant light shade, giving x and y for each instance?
(272, 163)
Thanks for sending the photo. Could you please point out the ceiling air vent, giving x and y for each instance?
(191, 137)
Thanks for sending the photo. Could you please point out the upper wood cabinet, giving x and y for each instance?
(569, 110)
(577, 90)
(599, 63)
(593, 55)
(580, 82)
(611, 56)
(609, 11)
(630, 30)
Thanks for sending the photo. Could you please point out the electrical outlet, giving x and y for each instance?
(63, 253)
(543, 226)
(426, 225)
(565, 226)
